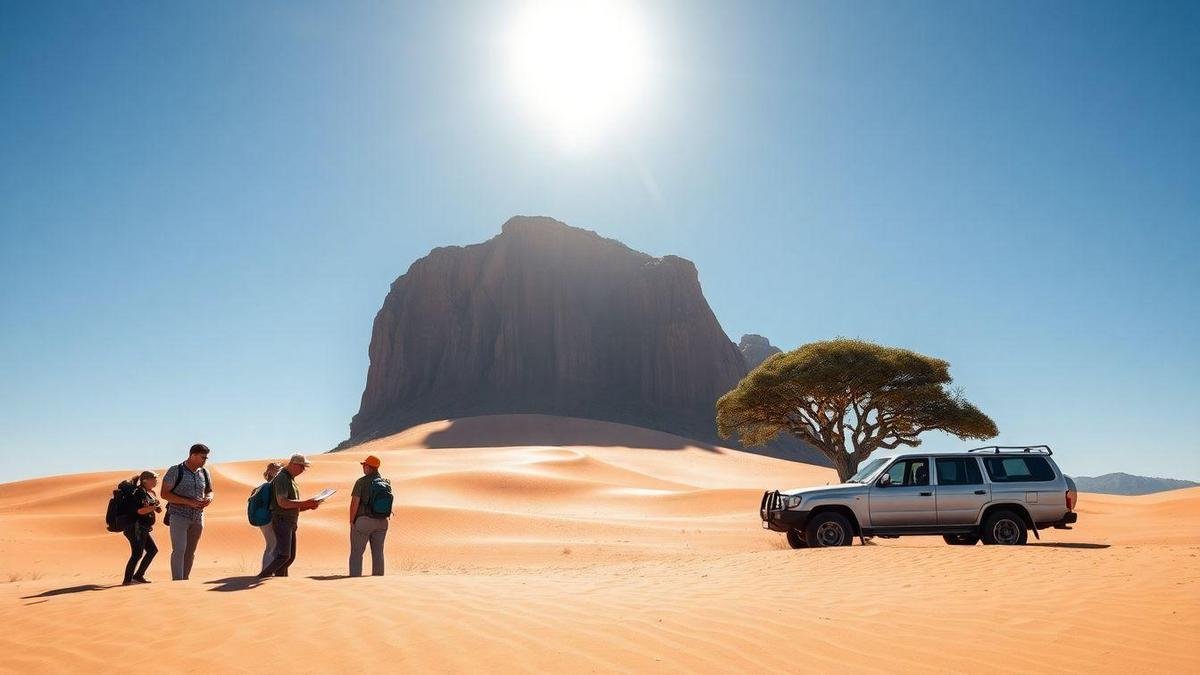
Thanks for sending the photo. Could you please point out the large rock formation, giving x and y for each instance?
(755, 349)
(551, 319)
(547, 318)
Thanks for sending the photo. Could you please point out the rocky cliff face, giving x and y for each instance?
(755, 349)
(547, 318)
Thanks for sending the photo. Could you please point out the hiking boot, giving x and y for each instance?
(141, 580)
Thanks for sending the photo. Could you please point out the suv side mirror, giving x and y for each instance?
(885, 480)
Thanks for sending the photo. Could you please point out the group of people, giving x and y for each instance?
(187, 490)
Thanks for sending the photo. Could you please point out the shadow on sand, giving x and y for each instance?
(474, 430)
(549, 430)
(235, 583)
(1066, 544)
(330, 577)
(531, 429)
(69, 590)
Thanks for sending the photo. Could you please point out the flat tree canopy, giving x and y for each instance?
(849, 398)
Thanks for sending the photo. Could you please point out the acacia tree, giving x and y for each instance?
(848, 398)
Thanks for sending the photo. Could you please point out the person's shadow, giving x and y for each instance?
(69, 590)
(330, 577)
(235, 583)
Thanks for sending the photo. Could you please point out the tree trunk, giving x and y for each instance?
(846, 465)
(842, 462)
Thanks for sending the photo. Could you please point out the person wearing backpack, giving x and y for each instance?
(370, 508)
(140, 506)
(258, 510)
(188, 490)
(286, 506)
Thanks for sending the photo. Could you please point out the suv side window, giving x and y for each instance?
(909, 472)
(1018, 469)
(958, 471)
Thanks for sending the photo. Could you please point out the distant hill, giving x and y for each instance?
(1126, 484)
(756, 349)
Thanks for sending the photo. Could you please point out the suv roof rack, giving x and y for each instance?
(997, 449)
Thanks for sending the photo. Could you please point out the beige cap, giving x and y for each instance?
(299, 459)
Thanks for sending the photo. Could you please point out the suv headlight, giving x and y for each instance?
(791, 502)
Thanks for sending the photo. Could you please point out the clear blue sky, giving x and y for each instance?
(202, 205)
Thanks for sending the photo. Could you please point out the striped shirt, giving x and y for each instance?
(188, 484)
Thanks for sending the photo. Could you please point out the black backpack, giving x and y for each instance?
(121, 509)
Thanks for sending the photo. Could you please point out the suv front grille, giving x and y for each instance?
(771, 501)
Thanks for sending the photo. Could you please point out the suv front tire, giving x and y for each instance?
(828, 529)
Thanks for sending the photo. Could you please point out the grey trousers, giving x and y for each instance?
(185, 535)
(285, 528)
(364, 530)
(269, 536)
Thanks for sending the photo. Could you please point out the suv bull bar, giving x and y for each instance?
(775, 516)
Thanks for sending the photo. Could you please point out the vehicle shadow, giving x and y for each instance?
(1067, 544)
(69, 590)
(235, 583)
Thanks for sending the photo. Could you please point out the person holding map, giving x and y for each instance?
(286, 506)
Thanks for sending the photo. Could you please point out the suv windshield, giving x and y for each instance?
(864, 472)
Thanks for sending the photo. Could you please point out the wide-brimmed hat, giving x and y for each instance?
(299, 459)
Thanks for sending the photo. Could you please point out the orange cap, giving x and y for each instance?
(371, 461)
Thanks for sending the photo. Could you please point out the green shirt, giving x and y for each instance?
(284, 485)
(362, 487)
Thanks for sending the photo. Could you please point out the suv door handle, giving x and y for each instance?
(926, 494)
(981, 492)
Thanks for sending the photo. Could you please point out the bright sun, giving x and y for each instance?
(578, 66)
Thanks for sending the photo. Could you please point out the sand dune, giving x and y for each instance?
(602, 556)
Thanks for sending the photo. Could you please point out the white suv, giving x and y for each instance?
(994, 493)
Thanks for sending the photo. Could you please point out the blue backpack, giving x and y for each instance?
(379, 497)
(258, 507)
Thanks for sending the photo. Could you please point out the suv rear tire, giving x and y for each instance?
(828, 529)
(1004, 528)
(961, 539)
(795, 539)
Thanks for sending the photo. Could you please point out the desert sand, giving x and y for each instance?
(626, 550)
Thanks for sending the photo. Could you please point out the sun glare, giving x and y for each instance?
(578, 66)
